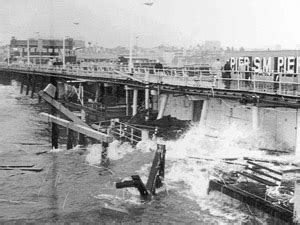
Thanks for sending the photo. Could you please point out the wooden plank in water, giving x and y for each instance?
(265, 168)
(23, 169)
(16, 166)
(255, 170)
(77, 127)
(252, 200)
(258, 179)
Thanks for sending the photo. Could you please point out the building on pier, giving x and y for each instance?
(42, 50)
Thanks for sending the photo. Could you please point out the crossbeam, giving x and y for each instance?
(77, 127)
(47, 93)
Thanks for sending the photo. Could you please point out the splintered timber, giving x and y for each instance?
(288, 64)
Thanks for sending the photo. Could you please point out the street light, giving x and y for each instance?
(130, 63)
(63, 53)
(40, 46)
(28, 53)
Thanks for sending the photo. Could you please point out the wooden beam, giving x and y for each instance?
(61, 108)
(77, 127)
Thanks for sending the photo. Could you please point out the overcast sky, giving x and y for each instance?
(247, 23)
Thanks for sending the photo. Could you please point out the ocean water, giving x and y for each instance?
(73, 188)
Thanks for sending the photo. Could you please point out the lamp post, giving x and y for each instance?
(130, 63)
(40, 46)
(28, 53)
(63, 54)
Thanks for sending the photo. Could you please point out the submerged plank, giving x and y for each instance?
(16, 166)
(23, 169)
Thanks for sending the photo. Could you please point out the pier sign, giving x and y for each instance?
(289, 64)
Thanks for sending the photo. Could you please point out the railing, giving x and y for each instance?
(126, 132)
(286, 84)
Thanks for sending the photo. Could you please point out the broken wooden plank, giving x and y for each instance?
(274, 151)
(276, 162)
(17, 166)
(47, 97)
(114, 211)
(77, 127)
(255, 170)
(136, 182)
(265, 168)
(23, 169)
(153, 172)
(258, 179)
(252, 200)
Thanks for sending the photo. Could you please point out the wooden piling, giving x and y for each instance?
(22, 85)
(55, 130)
(104, 159)
(162, 149)
(97, 92)
(42, 85)
(33, 86)
(28, 83)
(70, 141)
(81, 139)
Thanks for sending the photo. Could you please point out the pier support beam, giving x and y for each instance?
(70, 141)
(104, 159)
(22, 85)
(255, 116)
(28, 83)
(297, 145)
(134, 105)
(297, 202)
(147, 94)
(204, 112)
(147, 97)
(127, 100)
(33, 86)
(97, 92)
(162, 106)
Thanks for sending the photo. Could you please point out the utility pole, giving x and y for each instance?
(63, 54)
(28, 53)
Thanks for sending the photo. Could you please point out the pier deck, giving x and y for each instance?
(262, 87)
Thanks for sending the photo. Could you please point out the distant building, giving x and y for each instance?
(273, 47)
(212, 46)
(42, 50)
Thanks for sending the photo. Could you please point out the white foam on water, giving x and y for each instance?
(117, 150)
(146, 146)
(94, 154)
(231, 142)
(56, 150)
